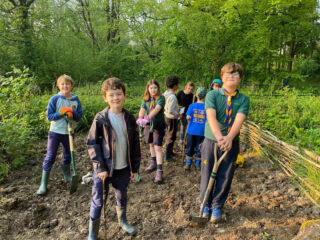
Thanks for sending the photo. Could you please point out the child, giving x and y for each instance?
(197, 118)
(185, 98)
(114, 148)
(216, 84)
(62, 105)
(226, 110)
(171, 113)
(152, 118)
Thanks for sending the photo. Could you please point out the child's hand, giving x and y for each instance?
(66, 111)
(145, 121)
(103, 175)
(225, 143)
(69, 114)
(139, 121)
(188, 117)
(133, 176)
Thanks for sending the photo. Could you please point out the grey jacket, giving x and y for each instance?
(171, 109)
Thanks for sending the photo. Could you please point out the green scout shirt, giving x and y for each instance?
(217, 100)
(159, 118)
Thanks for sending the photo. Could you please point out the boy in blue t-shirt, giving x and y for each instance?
(196, 115)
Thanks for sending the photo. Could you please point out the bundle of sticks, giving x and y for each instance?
(298, 163)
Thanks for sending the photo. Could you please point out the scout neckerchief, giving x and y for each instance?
(151, 106)
(229, 96)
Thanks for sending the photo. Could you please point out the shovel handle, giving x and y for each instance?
(212, 177)
(70, 132)
(184, 142)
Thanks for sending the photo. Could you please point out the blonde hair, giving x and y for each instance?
(66, 78)
(146, 95)
(191, 84)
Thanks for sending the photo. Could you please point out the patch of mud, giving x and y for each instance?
(262, 204)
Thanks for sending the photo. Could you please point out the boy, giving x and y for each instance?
(62, 105)
(114, 148)
(216, 84)
(171, 113)
(226, 110)
(197, 118)
(185, 98)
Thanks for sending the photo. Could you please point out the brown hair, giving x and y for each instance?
(66, 78)
(112, 83)
(191, 84)
(146, 95)
(232, 68)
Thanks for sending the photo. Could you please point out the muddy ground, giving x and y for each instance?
(263, 203)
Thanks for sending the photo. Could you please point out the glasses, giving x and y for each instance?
(234, 75)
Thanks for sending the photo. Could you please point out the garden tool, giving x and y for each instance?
(184, 144)
(104, 201)
(141, 133)
(200, 221)
(75, 177)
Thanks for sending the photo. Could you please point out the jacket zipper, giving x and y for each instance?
(128, 150)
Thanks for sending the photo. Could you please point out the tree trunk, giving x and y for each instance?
(86, 15)
(291, 54)
(113, 14)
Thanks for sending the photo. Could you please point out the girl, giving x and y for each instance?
(151, 117)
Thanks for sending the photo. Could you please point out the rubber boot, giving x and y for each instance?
(168, 156)
(197, 164)
(44, 181)
(66, 173)
(188, 164)
(94, 229)
(122, 219)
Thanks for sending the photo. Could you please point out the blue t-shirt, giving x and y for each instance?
(197, 122)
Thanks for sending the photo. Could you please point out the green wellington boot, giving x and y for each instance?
(66, 173)
(44, 181)
(122, 219)
(94, 229)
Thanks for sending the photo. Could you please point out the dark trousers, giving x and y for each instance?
(54, 140)
(225, 172)
(183, 127)
(155, 137)
(119, 180)
(171, 133)
(193, 146)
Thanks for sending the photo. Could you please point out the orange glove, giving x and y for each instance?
(66, 111)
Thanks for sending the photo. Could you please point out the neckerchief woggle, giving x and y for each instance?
(228, 119)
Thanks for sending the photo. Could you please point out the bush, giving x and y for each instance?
(15, 144)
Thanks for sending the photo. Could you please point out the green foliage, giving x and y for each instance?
(151, 39)
(17, 84)
(289, 116)
(15, 145)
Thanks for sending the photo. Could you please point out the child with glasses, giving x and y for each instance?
(226, 110)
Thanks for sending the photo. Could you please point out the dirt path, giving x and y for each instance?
(262, 204)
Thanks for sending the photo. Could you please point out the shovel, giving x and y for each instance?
(200, 221)
(184, 143)
(75, 177)
(104, 201)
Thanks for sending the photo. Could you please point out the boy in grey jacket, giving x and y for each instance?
(171, 113)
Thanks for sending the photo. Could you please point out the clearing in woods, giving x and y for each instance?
(262, 204)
